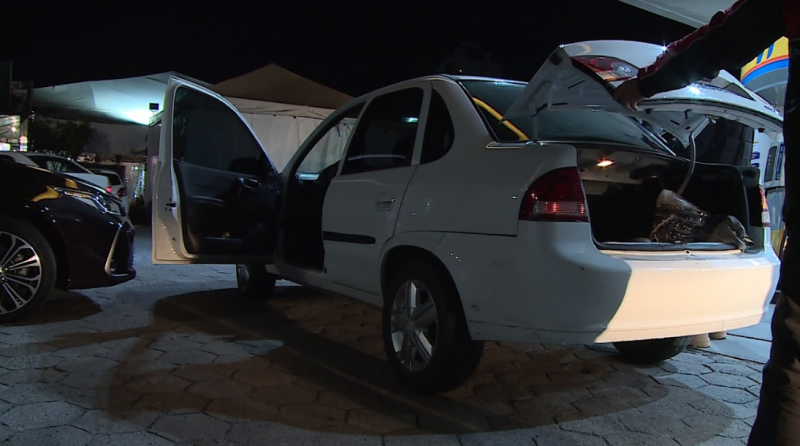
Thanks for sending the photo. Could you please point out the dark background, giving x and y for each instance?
(350, 46)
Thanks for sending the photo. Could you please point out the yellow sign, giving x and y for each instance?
(771, 59)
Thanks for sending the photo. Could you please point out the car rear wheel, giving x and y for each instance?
(653, 351)
(27, 269)
(425, 334)
(255, 283)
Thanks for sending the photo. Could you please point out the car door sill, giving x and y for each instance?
(316, 279)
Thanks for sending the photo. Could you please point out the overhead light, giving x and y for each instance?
(411, 119)
(13, 129)
(605, 163)
(139, 116)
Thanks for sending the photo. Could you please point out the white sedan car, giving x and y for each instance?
(474, 209)
(59, 165)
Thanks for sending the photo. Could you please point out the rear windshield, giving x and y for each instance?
(113, 179)
(493, 99)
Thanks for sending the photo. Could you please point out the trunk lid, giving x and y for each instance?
(584, 76)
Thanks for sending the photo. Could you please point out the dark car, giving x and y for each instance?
(57, 233)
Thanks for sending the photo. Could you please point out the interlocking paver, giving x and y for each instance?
(86, 365)
(423, 440)
(173, 345)
(177, 402)
(736, 396)
(221, 389)
(183, 357)
(41, 415)
(52, 436)
(132, 439)
(283, 396)
(192, 426)
(728, 380)
(158, 384)
(100, 422)
(639, 439)
(32, 376)
(29, 393)
(556, 437)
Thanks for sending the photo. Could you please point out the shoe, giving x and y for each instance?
(700, 341)
(718, 335)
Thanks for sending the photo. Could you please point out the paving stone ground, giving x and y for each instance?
(175, 357)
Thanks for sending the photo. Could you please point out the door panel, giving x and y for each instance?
(217, 194)
(363, 201)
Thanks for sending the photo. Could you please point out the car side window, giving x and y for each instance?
(439, 131)
(329, 148)
(207, 133)
(386, 133)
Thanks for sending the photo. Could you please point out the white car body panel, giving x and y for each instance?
(517, 280)
(98, 180)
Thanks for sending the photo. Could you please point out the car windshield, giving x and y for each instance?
(494, 98)
(113, 178)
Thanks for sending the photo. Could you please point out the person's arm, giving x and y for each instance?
(733, 38)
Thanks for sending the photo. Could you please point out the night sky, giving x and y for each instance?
(352, 47)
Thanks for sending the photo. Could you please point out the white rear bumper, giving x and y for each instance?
(551, 284)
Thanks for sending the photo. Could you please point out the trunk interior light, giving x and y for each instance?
(605, 163)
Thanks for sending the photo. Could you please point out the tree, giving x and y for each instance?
(65, 138)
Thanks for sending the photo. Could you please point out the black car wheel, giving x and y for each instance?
(27, 269)
(425, 334)
(254, 282)
(653, 351)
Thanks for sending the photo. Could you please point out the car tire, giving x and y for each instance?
(21, 243)
(453, 355)
(653, 351)
(254, 282)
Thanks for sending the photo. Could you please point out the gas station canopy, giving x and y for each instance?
(690, 12)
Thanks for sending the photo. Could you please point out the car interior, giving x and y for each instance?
(390, 121)
(228, 187)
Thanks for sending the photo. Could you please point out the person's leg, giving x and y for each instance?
(778, 419)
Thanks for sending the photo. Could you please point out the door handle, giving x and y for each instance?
(171, 204)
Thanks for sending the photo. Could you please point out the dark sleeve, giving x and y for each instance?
(745, 32)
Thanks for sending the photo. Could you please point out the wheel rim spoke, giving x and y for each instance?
(413, 325)
(423, 347)
(14, 295)
(20, 272)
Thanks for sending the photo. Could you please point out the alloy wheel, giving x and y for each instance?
(414, 325)
(20, 272)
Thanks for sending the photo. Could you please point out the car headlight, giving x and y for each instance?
(96, 201)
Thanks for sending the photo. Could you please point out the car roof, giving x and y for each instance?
(435, 77)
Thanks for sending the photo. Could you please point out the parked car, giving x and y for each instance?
(57, 233)
(118, 187)
(474, 209)
(59, 165)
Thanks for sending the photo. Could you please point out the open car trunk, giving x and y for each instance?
(622, 197)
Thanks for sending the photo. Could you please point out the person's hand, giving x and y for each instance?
(628, 94)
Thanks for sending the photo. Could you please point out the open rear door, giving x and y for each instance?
(216, 195)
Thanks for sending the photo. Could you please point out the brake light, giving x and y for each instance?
(609, 69)
(109, 189)
(122, 192)
(765, 220)
(555, 196)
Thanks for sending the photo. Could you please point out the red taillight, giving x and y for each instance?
(609, 68)
(109, 189)
(555, 196)
(765, 220)
(122, 192)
